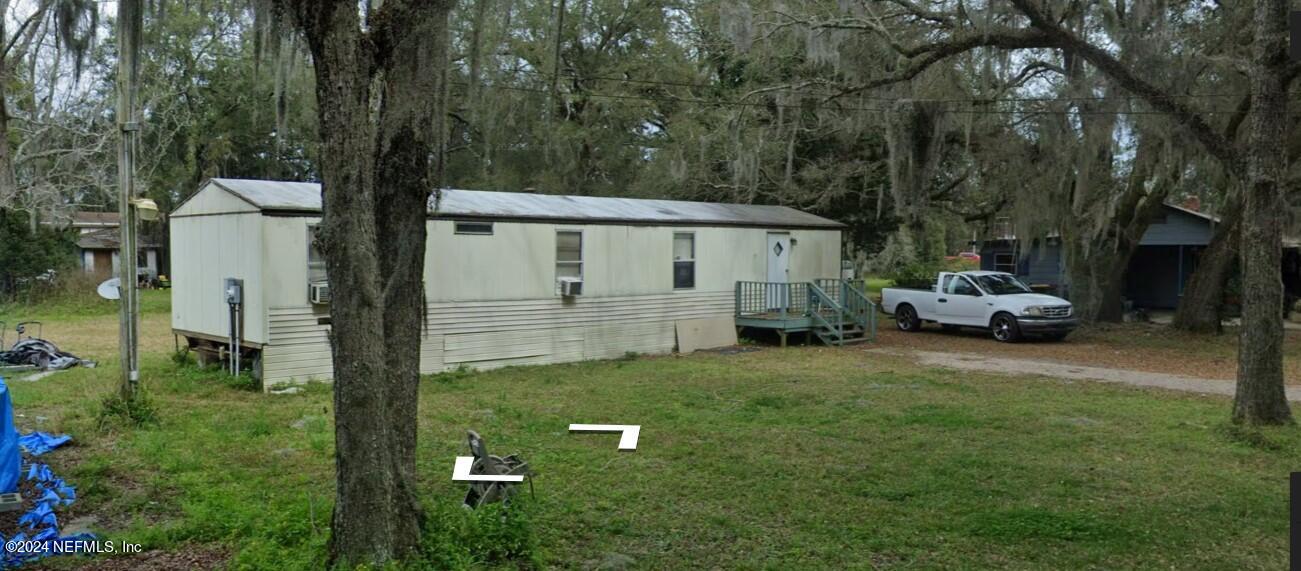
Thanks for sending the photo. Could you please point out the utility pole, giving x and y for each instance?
(129, 20)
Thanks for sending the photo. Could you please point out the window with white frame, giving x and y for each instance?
(1005, 262)
(569, 254)
(315, 261)
(684, 260)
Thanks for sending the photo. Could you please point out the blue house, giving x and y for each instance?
(1165, 258)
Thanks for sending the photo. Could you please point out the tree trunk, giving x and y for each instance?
(1199, 308)
(1260, 396)
(1097, 280)
(363, 524)
(411, 135)
(373, 238)
(1097, 261)
(8, 187)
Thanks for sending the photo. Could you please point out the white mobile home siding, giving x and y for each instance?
(492, 299)
(214, 237)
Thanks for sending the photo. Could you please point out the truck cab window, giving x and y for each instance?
(961, 286)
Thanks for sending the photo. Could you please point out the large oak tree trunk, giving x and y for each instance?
(411, 135)
(1260, 396)
(363, 522)
(382, 157)
(1199, 308)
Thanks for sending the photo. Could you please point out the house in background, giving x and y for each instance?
(98, 241)
(1159, 270)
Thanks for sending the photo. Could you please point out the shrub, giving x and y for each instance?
(138, 411)
(492, 535)
(28, 257)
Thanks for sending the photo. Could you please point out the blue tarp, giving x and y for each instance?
(49, 492)
(41, 521)
(37, 443)
(10, 458)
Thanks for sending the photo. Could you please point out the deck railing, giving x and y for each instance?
(836, 287)
(822, 306)
(780, 300)
(859, 307)
(832, 306)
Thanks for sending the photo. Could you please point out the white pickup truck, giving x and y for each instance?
(996, 301)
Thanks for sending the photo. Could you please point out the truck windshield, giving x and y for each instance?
(1001, 284)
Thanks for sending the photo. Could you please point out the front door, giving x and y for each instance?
(103, 260)
(779, 257)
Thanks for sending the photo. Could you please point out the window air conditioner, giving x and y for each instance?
(570, 287)
(319, 292)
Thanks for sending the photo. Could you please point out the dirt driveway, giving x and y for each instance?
(1128, 349)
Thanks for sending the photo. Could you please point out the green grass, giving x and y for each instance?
(82, 305)
(875, 285)
(783, 458)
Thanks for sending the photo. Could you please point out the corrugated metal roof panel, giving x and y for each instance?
(306, 197)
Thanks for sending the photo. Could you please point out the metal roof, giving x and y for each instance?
(300, 197)
(108, 239)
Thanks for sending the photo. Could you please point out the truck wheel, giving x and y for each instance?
(906, 318)
(1005, 328)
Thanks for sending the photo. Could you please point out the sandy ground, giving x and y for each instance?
(985, 364)
(1133, 347)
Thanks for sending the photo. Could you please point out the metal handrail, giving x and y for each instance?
(860, 307)
(817, 299)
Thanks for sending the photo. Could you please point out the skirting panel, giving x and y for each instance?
(490, 334)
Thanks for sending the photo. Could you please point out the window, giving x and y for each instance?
(961, 286)
(142, 259)
(1002, 285)
(315, 261)
(474, 228)
(684, 260)
(1005, 262)
(569, 254)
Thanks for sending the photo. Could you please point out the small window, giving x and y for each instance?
(684, 260)
(315, 261)
(569, 254)
(474, 228)
(1005, 262)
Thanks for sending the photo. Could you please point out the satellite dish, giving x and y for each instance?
(110, 289)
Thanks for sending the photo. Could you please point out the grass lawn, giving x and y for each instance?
(791, 458)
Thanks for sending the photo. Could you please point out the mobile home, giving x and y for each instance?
(510, 278)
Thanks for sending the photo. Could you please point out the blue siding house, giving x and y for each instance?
(1165, 258)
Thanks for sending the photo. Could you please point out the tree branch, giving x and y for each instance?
(1215, 143)
(924, 56)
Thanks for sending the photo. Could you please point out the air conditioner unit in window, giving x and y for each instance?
(570, 287)
(319, 293)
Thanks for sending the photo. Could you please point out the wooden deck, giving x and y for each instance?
(836, 310)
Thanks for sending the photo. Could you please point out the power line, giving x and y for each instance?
(890, 99)
(737, 103)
